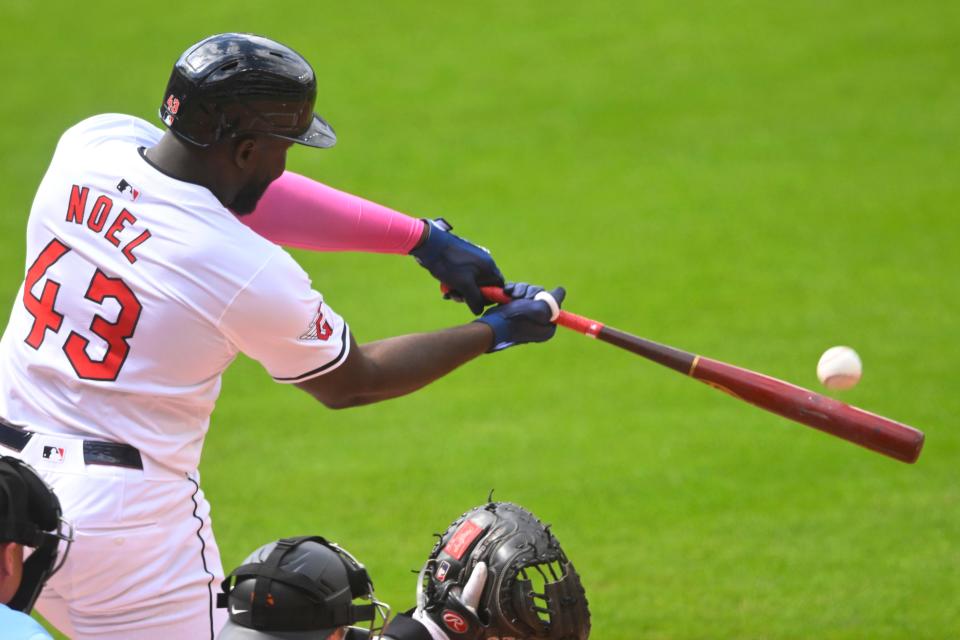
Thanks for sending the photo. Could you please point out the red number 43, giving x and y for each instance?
(45, 317)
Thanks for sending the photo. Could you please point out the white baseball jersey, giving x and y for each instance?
(140, 290)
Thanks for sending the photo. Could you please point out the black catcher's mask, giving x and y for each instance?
(30, 515)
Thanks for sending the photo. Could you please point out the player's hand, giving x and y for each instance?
(527, 318)
(454, 618)
(462, 265)
(457, 615)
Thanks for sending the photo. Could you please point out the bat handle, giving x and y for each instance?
(493, 294)
(580, 324)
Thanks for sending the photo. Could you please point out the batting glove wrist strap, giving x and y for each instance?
(458, 263)
(525, 319)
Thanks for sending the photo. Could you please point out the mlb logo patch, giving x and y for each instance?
(442, 570)
(53, 454)
(126, 189)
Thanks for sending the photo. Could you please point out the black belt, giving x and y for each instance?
(110, 454)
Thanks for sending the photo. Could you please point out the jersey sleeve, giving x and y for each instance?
(279, 320)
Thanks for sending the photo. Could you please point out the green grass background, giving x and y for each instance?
(752, 180)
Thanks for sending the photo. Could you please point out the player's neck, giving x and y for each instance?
(198, 166)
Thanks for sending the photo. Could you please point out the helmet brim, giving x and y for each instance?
(320, 135)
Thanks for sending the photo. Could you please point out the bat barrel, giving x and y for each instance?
(855, 425)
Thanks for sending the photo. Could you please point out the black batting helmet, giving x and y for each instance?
(298, 588)
(30, 515)
(238, 83)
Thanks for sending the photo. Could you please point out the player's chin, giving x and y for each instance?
(247, 198)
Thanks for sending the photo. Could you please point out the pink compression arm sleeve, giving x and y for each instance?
(299, 212)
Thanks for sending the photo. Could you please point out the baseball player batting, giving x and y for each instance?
(145, 277)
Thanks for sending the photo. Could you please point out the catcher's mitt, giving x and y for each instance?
(531, 592)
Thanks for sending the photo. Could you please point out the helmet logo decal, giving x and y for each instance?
(173, 104)
(455, 622)
(462, 539)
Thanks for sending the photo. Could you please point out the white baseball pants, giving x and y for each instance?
(144, 564)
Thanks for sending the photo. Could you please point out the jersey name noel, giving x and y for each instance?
(99, 214)
(139, 291)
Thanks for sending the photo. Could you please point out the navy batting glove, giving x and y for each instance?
(524, 319)
(520, 290)
(458, 263)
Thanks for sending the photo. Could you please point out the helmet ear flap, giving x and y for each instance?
(361, 585)
(188, 115)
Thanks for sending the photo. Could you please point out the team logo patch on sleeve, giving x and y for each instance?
(319, 328)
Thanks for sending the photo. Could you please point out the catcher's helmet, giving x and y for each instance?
(237, 83)
(298, 588)
(532, 590)
(30, 515)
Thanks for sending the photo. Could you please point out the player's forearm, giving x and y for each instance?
(397, 366)
(296, 211)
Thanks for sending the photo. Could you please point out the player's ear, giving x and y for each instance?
(244, 150)
(338, 634)
(11, 569)
(6, 560)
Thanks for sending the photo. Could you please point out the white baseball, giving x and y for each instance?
(839, 368)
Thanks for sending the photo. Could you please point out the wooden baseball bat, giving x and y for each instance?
(801, 405)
